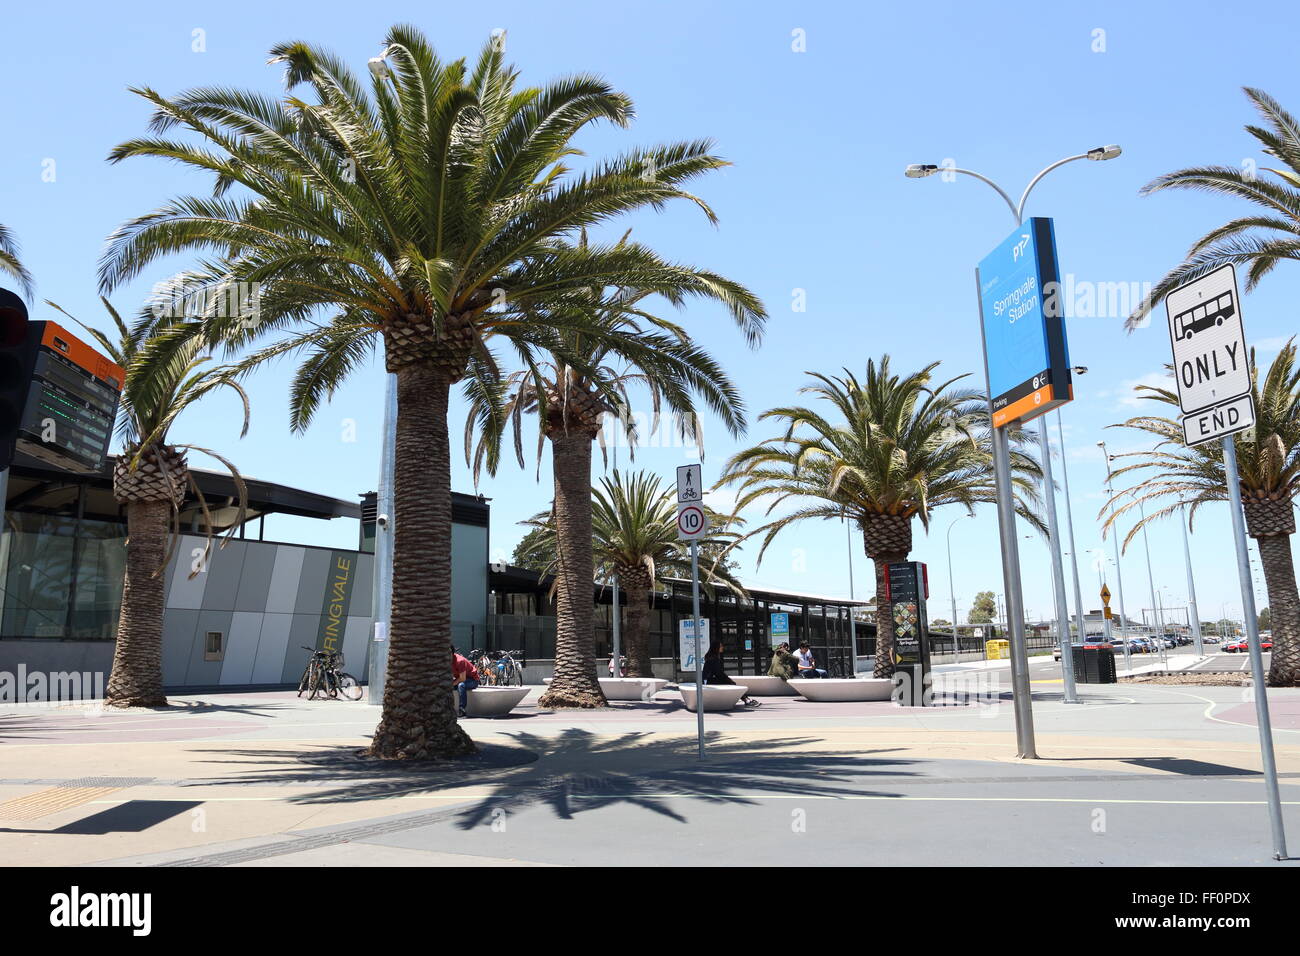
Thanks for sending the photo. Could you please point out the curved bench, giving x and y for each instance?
(492, 701)
(844, 688)
(716, 696)
(763, 685)
(631, 688)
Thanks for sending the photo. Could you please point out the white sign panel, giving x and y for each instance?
(687, 644)
(692, 522)
(688, 484)
(1210, 358)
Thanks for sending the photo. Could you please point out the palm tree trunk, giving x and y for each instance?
(884, 666)
(136, 678)
(574, 683)
(1284, 608)
(637, 630)
(887, 540)
(419, 717)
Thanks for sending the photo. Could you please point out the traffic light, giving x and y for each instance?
(17, 361)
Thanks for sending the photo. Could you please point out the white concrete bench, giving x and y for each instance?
(763, 685)
(631, 688)
(844, 688)
(491, 701)
(716, 696)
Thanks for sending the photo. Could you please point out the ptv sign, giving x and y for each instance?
(1210, 360)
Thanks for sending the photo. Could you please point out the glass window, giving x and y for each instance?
(62, 577)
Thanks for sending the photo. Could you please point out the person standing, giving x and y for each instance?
(465, 676)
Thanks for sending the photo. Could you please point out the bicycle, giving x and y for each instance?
(504, 670)
(323, 676)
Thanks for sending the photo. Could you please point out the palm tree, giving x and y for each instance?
(1174, 474)
(628, 347)
(1259, 241)
(902, 447)
(634, 536)
(150, 480)
(426, 212)
(11, 265)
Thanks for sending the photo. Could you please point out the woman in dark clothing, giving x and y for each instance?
(713, 672)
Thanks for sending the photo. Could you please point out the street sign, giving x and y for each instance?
(780, 630)
(1210, 358)
(1105, 602)
(692, 522)
(688, 484)
(1023, 316)
(687, 645)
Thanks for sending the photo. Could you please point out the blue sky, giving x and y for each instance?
(816, 201)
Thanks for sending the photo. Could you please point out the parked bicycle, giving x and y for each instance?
(499, 668)
(324, 677)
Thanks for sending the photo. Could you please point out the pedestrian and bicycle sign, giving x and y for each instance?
(688, 484)
(1210, 358)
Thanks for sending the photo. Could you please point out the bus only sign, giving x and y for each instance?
(1210, 359)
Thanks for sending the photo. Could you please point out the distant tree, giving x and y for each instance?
(1266, 620)
(983, 609)
(535, 551)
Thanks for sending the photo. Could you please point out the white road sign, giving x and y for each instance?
(686, 644)
(688, 484)
(692, 522)
(1210, 359)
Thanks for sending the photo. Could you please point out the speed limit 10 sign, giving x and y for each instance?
(692, 522)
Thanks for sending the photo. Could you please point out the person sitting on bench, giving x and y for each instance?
(714, 673)
(807, 663)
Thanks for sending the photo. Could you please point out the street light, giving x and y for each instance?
(1069, 508)
(952, 594)
(1006, 509)
(1119, 573)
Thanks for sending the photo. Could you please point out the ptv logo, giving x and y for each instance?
(1018, 249)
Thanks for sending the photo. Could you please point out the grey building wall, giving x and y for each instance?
(267, 601)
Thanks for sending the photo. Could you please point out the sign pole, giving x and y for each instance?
(618, 664)
(853, 630)
(699, 669)
(1252, 640)
(1015, 615)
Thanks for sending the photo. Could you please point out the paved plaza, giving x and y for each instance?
(1133, 774)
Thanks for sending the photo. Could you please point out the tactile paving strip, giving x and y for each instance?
(65, 796)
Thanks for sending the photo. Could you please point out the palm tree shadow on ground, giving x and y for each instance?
(577, 771)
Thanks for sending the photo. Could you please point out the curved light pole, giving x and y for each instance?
(1119, 574)
(1069, 517)
(1006, 507)
(952, 594)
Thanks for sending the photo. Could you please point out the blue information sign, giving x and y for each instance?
(780, 627)
(1024, 327)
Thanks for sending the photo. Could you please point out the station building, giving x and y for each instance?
(245, 617)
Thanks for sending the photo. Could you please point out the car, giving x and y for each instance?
(1235, 647)
(1211, 639)
(1090, 643)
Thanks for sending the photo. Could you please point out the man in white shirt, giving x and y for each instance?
(807, 663)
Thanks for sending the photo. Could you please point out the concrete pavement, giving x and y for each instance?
(1133, 774)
